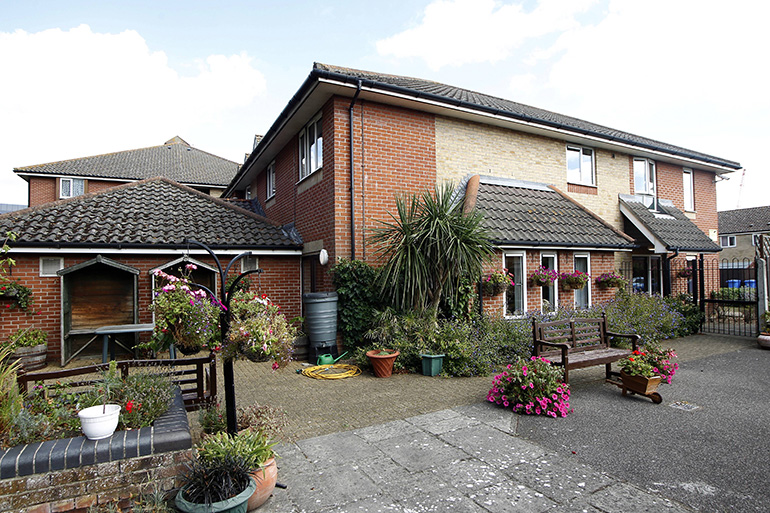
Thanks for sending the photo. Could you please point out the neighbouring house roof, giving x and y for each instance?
(745, 220)
(520, 213)
(252, 205)
(175, 159)
(157, 213)
(326, 80)
(667, 227)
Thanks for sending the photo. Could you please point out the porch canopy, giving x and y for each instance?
(666, 227)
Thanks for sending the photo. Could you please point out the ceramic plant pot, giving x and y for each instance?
(99, 421)
(382, 363)
(236, 504)
(764, 340)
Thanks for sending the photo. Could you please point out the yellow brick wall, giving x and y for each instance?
(464, 148)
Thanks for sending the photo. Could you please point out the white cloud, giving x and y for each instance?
(456, 32)
(69, 94)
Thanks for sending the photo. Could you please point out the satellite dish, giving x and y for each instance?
(323, 257)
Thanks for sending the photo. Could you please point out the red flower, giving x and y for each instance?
(129, 406)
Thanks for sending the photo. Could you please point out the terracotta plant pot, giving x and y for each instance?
(382, 363)
(265, 478)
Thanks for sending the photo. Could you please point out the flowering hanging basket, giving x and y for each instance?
(572, 284)
(542, 277)
(684, 273)
(493, 288)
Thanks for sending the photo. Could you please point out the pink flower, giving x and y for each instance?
(275, 366)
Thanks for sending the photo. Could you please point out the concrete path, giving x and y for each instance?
(404, 448)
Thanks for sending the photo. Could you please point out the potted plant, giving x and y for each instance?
(255, 449)
(531, 387)
(610, 280)
(185, 315)
(496, 282)
(215, 485)
(100, 421)
(685, 273)
(543, 277)
(382, 361)
(574, 280)
(258, 330)
(29, 346)
(764, 336)
(432, 363)
(638, 374)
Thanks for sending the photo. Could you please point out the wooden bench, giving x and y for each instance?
(578, 343)
(196, 377)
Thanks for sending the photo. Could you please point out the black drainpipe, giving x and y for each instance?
(667, 272)
(352, 183)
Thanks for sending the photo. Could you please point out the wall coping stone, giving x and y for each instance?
(169, 432)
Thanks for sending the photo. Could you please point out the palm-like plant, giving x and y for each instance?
(430, 246)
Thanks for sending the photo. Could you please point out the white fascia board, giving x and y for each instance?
(658, 246)
(121, 180)
(166, 252)
(537, 128)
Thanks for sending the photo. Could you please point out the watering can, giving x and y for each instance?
(326, 359)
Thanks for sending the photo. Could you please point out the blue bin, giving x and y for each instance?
(734, 284)
(752, 284)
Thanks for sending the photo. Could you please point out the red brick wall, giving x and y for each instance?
(280, 281)
(46, 189)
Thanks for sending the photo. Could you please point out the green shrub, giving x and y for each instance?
(693, 317)
(27, 337)
(358, 299)
(649, 316)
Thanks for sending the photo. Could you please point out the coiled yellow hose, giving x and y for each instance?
(331, 371)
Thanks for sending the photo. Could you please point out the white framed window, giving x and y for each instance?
(71, 187)
(49, 265)
(270, 181)
(580, 165)
(550, 293)
(249, 263)
(688, 188)
(644, 180)
(727, 241)
(647, 274)
(516, 297)
(583, 264)
(311, 144)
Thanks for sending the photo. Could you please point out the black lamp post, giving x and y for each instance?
(224, 323)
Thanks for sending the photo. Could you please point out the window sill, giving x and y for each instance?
(310, 180)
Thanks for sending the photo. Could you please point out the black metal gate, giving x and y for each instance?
(726, 291)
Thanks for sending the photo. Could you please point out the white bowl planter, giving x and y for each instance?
(99, 422)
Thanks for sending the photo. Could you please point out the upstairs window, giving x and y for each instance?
(71, 187)
(644, 180)
(580, 165)
(311, 148)
(727, 241)
(689, 190)
(270, 181)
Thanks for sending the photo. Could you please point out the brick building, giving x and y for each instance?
(120, 236)
(175, 159)
(350, 141)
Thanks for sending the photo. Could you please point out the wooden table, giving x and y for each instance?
(109, 332)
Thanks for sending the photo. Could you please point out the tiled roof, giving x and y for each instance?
(252, 205)
(532, 214)
(745, 220)
(670, 225)
(176, 160)
(155, 213)
(458, 97)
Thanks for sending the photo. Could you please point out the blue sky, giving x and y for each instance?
(89, 77)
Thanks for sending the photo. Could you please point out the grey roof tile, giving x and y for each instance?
(520, 213)
(175, 160)
(745, 220)
(450, 94)
(157, 212)
(671, 226)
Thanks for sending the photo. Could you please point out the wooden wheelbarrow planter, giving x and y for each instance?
(639, 385)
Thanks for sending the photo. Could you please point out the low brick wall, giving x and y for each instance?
(75, 473)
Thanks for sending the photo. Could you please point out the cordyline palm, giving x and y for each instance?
(430, 245)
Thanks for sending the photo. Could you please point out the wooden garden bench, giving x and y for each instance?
(578, 343)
